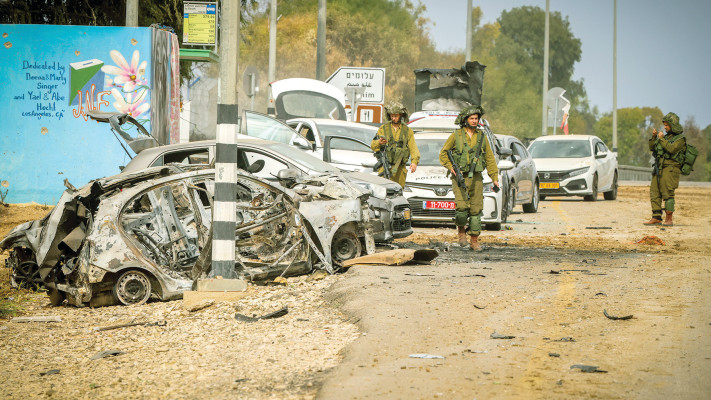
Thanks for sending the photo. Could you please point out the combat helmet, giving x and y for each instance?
(395, 107)
(673, 121)
(466, 112)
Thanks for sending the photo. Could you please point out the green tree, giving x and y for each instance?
(634, 128)
(700, 139)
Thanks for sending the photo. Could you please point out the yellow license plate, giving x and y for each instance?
(549, 185)
(407, 213)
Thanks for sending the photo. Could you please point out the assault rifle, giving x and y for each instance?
(383, 163)
(459, 177)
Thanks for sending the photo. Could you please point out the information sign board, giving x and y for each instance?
(199, 23)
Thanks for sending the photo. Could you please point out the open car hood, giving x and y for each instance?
(308, 98)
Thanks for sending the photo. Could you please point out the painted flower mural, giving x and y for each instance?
(128, 85)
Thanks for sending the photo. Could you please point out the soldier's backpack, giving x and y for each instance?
(689, 159)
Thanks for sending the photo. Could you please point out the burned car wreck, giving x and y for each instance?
(126, 238)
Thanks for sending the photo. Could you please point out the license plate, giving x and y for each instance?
(407, 213)
(549, 185)
(438, 205)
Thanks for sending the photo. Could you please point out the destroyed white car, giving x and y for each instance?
(126, 238)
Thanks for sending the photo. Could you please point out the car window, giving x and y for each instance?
(519, 151)
(600, 148)
(364, 134)
(429, 150)
(559, 149)
(192, 156)
(268, 128)
(350, 145)
(259, 163)
(311, 105)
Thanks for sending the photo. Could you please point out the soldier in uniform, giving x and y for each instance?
(472, 153)
(668, 151)
(399, 142)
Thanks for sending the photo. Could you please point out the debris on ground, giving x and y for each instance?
(276, 314)
(587, 368)
(478, 307)
(107, 353)
(616, 318)
(126, 325)
(201, 305)
(553, 355)
(650, 240)
(499, 336)
(428, 356)
(598, 227)
(50, 372)
(395, 257)
(565, 339)
(43, 318)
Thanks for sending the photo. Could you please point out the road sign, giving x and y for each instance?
(199, 23)
(372, 79)
(369, 113)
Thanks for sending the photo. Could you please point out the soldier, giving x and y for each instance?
(399, 142)
(668, 151)
(472, 152)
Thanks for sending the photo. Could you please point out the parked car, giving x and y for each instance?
(575, 165)
(342, 143)
(125, 238)
(522, 185)
(429, 190)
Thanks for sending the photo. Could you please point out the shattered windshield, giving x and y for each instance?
(560, 149)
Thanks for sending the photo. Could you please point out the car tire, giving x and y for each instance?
(612, 194)
(132, 288)
(509, 202)
(345, 246)
(593, 195)
(493, 227)
(532, 207)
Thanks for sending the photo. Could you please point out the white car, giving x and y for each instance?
(575, 165)
(429, 190)
(522, 185)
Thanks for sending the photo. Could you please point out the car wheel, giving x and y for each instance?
(533, 205)
(612, 194)
(593, 196)
(345, 246)
(132, 288)
(493, 227)
(509, 202)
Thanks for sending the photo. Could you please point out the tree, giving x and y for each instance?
(634, 128)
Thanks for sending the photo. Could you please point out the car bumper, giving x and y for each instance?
(490, 212)
(575, 186)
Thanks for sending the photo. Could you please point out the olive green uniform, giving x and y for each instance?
(397, 151)
(668, 152)
(461, 144)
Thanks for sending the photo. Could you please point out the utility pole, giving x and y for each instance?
(468, 50)
(321, 42)
(544, 130)
(271, 74)
(614, 80)
(224, 214)
(131, 12)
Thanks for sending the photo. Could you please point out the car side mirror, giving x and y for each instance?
(505, 165)
(287, 177)
(600, 155)
(505, 152)
(302, 143)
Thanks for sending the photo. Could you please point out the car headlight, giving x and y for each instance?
(578, 171)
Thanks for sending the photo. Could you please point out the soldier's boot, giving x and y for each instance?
(668, 221)
(656, 220)
(474, 243)
(462, 233)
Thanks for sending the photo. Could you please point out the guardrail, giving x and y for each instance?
(632, 173)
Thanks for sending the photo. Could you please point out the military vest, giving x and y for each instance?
(661, 153)
(399, 152)
(466, 155)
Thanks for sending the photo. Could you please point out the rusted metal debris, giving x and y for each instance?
(276, 314)
(616, 318)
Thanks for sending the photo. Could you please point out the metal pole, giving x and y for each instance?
(321, 41)
(468, 50)
(544, 123)
(555, 116)
(271, 74)
(224, 214)
(614, 80)
(131, 12)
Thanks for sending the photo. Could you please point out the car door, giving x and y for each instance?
(347, 153)
(604, 160)
(525, 179)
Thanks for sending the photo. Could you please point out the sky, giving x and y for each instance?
(663, 49)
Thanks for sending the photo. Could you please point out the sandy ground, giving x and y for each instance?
(545, 281)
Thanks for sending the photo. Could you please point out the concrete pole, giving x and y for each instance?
(614, 80)
(224, 214)
(544, 115)
(131, 12)
(321, 42)
(271, 74)
(468, 50)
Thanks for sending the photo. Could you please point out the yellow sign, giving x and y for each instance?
(199, 23)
